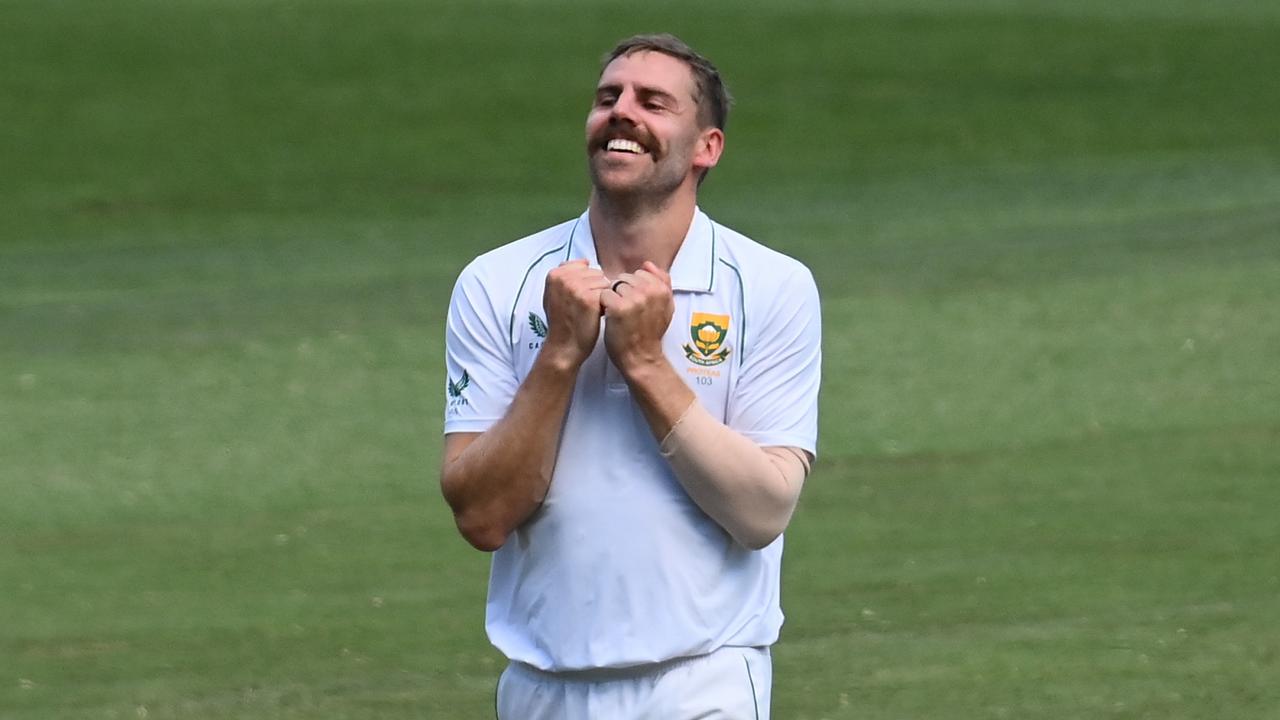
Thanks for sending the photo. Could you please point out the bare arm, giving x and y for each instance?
(748, 490)
(495, 480)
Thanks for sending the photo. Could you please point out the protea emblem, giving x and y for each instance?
(708, 333)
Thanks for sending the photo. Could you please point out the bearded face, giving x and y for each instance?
(643, 134)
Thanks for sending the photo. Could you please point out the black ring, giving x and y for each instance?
(617, 283)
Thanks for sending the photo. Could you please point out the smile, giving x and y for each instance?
(626, 146)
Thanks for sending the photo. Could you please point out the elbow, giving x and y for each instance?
(482, 536)
(473, 525)
(760, 531)
(757, 538)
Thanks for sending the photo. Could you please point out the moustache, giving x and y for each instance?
(619, 132)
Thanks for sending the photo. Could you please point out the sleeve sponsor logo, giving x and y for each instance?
(454, 389)
(537, 325)
(708, 333)
(539, 328)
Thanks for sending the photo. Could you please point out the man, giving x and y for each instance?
(632, 409)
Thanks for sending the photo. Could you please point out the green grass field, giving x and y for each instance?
(1047, 236)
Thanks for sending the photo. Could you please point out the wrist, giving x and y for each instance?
(560, 359)
(652, 376)
(642, 367)
(661, 393)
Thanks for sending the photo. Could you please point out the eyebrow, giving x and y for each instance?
(644, 91)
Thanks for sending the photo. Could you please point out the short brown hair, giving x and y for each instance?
(712, 96)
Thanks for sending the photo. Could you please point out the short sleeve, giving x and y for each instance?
(478, 358)
(775, 400)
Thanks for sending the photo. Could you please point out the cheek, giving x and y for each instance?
(596, 121)
(684, 142)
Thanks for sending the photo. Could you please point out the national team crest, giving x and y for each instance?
(708, 332)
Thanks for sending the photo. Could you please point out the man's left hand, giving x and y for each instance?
(637, 310)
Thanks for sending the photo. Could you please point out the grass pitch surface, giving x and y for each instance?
(1048, 241)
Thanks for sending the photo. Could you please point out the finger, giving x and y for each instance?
(579, 269)
(566, 272)
(580, 280)
(623, 284)
(596, 280)
(582, 273)
(609, 301)
(655, 288)
(590, 283)
(646, 279)
(653, 269)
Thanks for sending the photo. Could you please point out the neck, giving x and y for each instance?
(628, 231)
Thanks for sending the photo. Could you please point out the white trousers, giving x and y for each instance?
(732, 683)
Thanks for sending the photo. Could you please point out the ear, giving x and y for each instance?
(710, 145)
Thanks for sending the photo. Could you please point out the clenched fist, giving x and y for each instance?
(637, 314)
(572, 302)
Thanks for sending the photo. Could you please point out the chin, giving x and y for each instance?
(615, 183)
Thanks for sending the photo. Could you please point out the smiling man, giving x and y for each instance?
(631, 413)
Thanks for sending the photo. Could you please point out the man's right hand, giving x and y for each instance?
(571, 300)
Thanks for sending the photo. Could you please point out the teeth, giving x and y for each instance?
(630, 146)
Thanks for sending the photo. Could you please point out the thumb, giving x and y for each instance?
(653, 269)
(608, 301)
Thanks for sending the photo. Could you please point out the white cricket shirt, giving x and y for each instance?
(618, 567)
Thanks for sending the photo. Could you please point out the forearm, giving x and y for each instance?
(749, 491)
(496, 480)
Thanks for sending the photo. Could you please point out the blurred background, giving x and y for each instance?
(1047, 236)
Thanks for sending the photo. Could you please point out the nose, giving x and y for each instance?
(624, 108)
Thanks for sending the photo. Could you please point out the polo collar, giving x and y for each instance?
(693, 269)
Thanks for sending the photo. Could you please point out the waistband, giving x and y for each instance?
(631, 672)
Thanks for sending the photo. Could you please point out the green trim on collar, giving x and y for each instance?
(742, 306)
